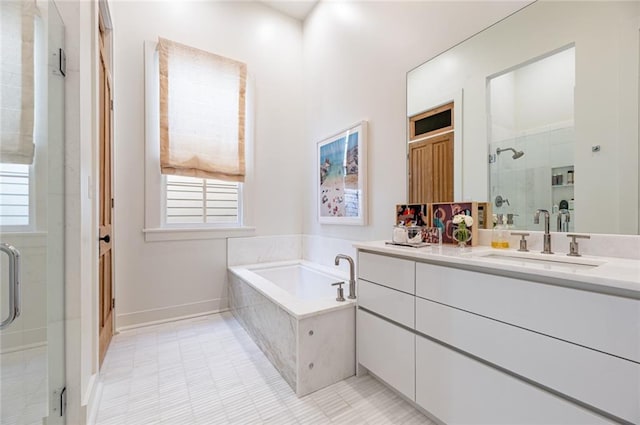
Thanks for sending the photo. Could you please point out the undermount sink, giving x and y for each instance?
(538, 260)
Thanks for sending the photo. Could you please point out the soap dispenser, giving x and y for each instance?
(499, 234)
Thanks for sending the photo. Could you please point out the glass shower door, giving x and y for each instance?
(31, 213)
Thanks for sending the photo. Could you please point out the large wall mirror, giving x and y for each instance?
(546, 114)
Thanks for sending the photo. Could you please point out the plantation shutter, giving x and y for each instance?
(14, 195)
(202, 113)
(17, 81)
(200, 201)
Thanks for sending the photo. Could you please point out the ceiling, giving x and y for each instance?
(298, 9)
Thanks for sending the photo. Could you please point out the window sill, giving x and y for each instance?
(195, 233)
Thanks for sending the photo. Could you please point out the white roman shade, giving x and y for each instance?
(202, 113)
(17, 81)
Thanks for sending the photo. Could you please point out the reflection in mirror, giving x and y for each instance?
(431, 155)
(591, 129)
(531, 111)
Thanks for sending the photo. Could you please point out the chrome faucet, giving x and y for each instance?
(352, 276)
(547, 236)
(563, 227)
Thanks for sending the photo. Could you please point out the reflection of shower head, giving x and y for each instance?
(516, 154)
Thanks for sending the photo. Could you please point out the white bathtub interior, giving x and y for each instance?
(301, 281)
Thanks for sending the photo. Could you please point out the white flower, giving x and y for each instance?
(461, 218)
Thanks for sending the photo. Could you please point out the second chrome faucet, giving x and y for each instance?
(546, 248)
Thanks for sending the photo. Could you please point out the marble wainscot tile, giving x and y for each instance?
(599, 244)
(263, 249)
(323, 250)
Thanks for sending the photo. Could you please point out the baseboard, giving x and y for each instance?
(169, 314)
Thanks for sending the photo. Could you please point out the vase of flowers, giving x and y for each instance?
(462, 233)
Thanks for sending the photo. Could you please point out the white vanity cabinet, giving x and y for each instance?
(484, 348)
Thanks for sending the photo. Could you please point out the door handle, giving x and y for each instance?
(105, 238)
(14, 283)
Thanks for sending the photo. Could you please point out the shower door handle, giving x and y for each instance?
(14, 283)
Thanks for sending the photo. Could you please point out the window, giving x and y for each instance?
(21, 89)
(200, 201)
(199, 194)
(14, 195)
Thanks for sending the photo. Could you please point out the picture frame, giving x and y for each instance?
(341, 170)
(442, 217)
(413, 214)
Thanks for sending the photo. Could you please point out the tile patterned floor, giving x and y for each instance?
(209, 371)
(23, 387)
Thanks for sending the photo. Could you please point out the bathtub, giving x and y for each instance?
(290, 311)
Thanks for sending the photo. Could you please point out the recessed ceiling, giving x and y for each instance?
(298, 9)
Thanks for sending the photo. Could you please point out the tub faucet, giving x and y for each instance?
(547, 236)
(563, 227)
(352, 278)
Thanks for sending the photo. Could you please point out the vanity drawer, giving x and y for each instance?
(600, 380)
(395, 273)
(392, 304)
(460, 390)
(603, 322)
(387, 351)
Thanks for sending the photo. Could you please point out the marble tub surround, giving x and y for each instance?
(616, 276)
(310, 341)
(296, 307)
(271, 328)
(599, 244)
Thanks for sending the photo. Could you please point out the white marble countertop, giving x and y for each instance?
(615, 276)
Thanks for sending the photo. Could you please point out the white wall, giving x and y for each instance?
(356, 57)
(161, 280)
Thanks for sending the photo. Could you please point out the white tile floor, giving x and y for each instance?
(23, 387)
(209, 371)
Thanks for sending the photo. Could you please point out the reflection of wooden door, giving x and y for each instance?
(105, 275)
(431, 170)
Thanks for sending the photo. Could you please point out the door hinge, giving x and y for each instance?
(111, 202)
(111, 104)
(113, 303)
(60, 401)
(62, 62)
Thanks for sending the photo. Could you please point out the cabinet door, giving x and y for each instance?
(459, 390)
(392, 272)
(392, 304)
(387, 351)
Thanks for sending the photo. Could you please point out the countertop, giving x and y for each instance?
(613, 276)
